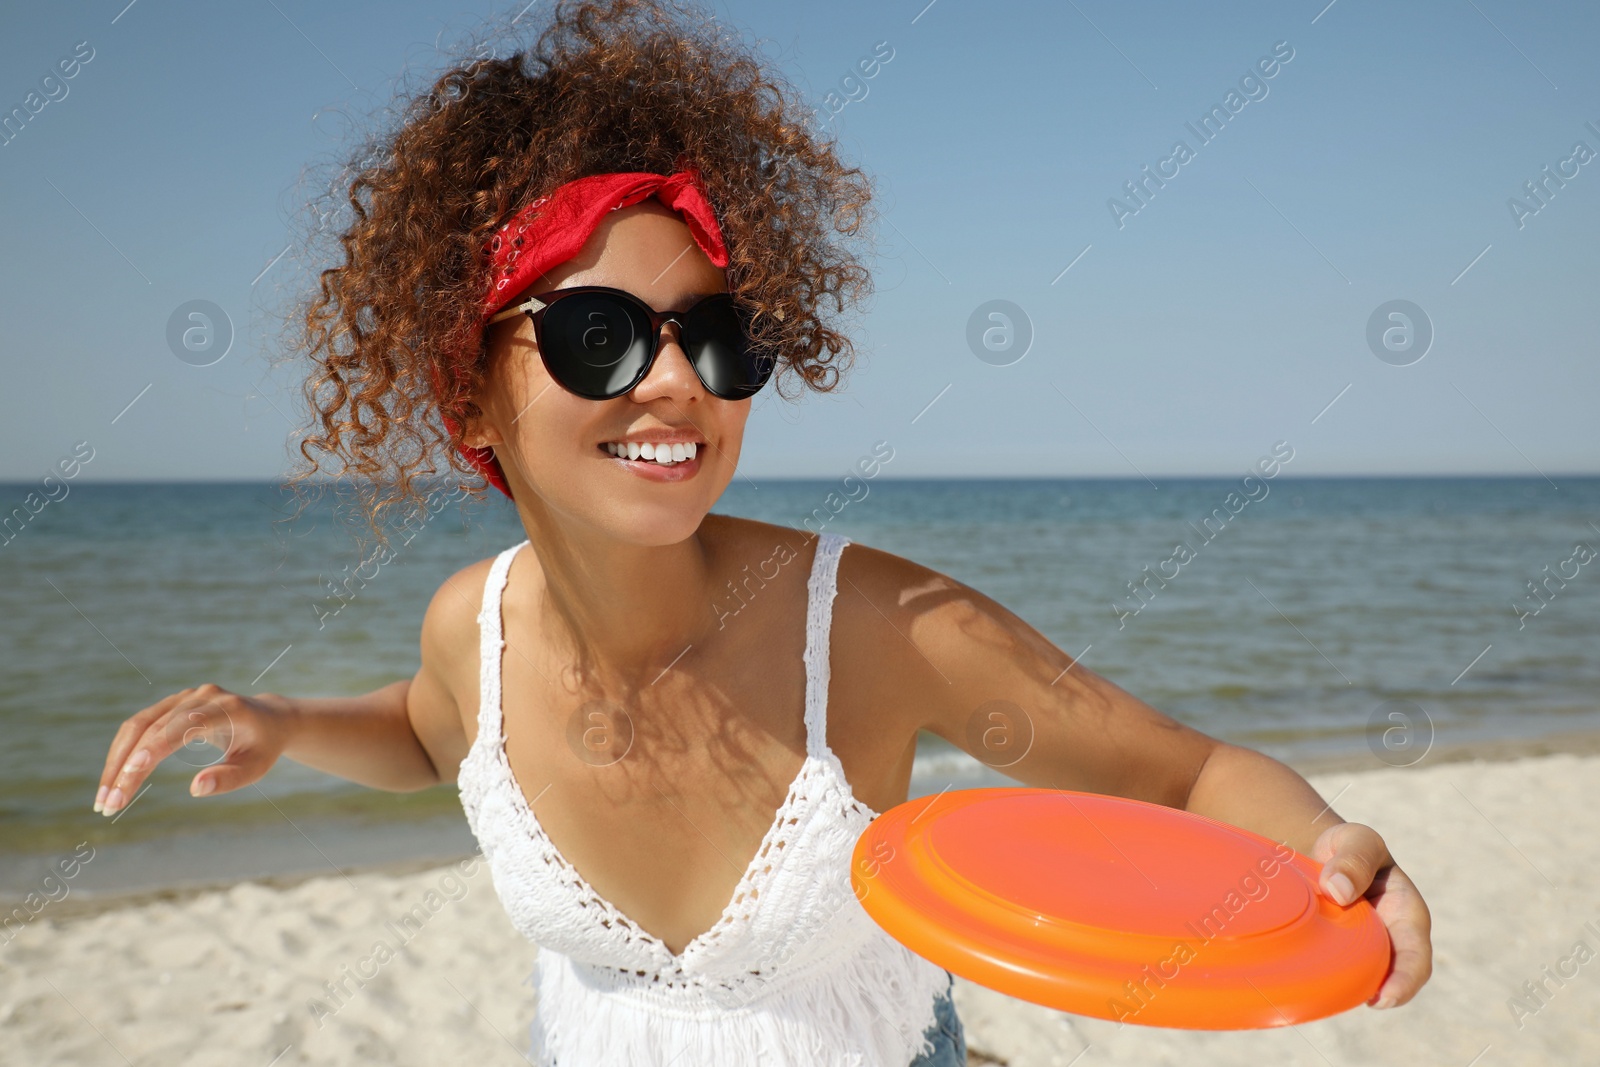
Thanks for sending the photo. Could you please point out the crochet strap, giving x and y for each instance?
(491, 642)
(820, 590)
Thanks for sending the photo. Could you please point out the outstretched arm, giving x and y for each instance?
(989, 683)
(367, 739)
(406, 736)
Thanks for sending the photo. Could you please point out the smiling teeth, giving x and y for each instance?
(666, 455)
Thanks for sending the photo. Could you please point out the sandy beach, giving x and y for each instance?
(1506, 850)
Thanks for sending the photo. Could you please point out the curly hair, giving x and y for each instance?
(617, 85)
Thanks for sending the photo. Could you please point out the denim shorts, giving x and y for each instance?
(949, 1037)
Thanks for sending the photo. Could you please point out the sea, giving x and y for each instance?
(1370, 618)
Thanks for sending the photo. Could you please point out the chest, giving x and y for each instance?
(661, 797)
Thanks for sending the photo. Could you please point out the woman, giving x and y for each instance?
(569, 273)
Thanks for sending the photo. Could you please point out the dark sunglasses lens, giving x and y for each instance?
(718, 339)
(595, 344)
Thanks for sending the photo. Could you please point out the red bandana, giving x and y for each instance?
(554, 228)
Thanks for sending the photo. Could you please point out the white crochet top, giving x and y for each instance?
(793, 973)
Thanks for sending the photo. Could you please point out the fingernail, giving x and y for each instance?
(201, 786)
(1384, 1002)
(100, 798)
(1340, 889)
(113, 802)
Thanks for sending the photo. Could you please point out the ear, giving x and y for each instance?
(481, 433)
(485, 438)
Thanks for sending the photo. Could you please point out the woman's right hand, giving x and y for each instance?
(250, 731)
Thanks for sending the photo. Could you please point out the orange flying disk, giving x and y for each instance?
(1117, 909)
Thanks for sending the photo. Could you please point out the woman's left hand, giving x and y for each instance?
(1356, 862)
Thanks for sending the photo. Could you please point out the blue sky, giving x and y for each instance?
(1229, 312)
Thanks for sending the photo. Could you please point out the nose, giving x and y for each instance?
(671, 374)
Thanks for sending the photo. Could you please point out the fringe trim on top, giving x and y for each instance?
(842, 1017)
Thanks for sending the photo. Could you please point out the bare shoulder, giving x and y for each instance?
(923, 639)
(450, 626)
(881, 599)
(890, 593)
(443, 698)
(895, 621)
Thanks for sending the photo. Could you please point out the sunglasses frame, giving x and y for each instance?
(535, 307)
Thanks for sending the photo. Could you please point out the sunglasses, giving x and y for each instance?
(599, 342)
